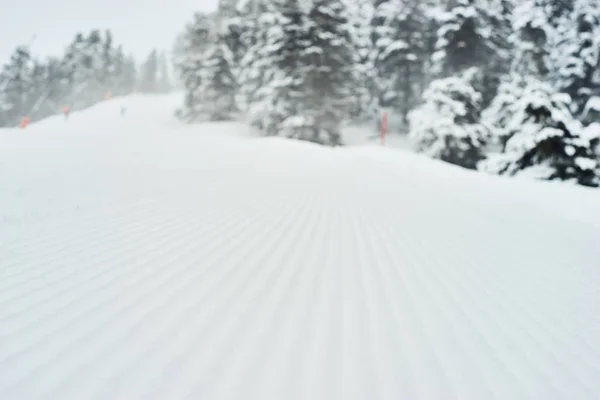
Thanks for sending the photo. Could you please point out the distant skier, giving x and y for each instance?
(66, 111)
(123, 111)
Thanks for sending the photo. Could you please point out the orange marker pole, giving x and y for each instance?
(384, 122)
(24, 122)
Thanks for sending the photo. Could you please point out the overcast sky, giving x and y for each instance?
(139, 25)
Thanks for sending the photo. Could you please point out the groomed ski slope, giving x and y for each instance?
(142, 259)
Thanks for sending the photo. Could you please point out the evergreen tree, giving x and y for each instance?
(18, 90)
(400, 53)
(591, 112)
(557, 10)
(257, 18)
(461, 39)
(39, 91)
(576, 55)
(533, 35)
(230, 28)
(108, 62)
(332, 70)
(58, 86)
(93, 62)
(149, 74)
(118, 72)
(498, 115)
(208, 63)
(164, 81)
(366, 107)
(250, 24)
(84, 61)
(227, 9)
(270, 74)
(36, 89)
(545, 141)
(433, 13)
(532, 38)
(499, 19)
(189, 55)
(472, 33)
(217, 81)
(310, 69)
(125, 79)
(447, 125)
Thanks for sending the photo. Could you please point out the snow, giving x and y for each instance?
(143, 259)
(586, 163)
(591, 131)
(592, 106)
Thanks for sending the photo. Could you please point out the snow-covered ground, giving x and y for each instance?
(142, 259)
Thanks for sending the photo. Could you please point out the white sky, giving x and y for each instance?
(139, 25)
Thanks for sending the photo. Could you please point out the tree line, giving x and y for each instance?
(505, 86)
(91, 68)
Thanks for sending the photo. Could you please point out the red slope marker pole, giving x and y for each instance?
(384, 121)
(24, 122)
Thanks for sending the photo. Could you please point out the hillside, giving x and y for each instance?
(143, 259)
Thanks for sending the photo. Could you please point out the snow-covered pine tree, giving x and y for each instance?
(91, 66)
(125, 79)
(270, 74)
(332, 69)
(217, 80)
(231, 28)
(557, 10)
(17, 86)
(96, 88)
(379, 26)
(259, 19)
(149, 74)
(591, 112)
(227, 9)
(470, 35)
(434, 10)
(446, 126)
(163, 80)
(219, 76)
(499, 113)
(209, 69)
(248, 13)
(360, 15)
(119, 70)
(462, 39)
(544, 140)
(400, 53)
(39, 92)
(533, 33)
(302, 72)
(499, 19)
(189, 55)
(108, 62)
(58, 86)
(83, 59)
(576, 53)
